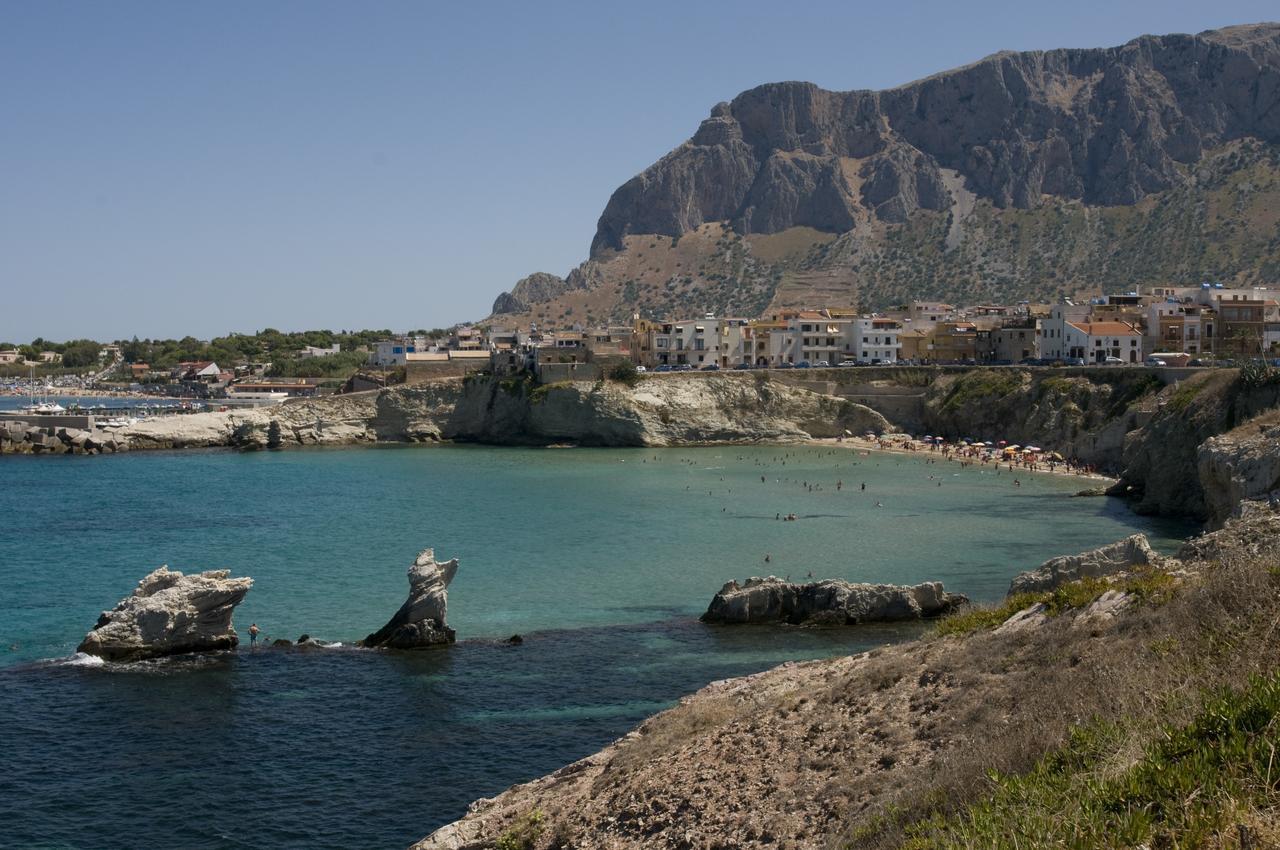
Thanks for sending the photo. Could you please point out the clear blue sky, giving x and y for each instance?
(172, 168)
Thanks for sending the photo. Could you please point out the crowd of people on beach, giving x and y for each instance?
(987, 453)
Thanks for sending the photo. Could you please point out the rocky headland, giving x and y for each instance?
(895, 745)
(170, 613)
(828, 602)
(420, 622)
(1198, 447)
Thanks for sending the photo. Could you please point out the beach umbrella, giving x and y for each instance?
(1003, 442)
(1055, 456)
(849, 433)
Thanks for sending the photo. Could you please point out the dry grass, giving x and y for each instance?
(1018, 697)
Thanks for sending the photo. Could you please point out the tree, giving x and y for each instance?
(80, 353)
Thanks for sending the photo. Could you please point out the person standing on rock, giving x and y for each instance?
(253, 634)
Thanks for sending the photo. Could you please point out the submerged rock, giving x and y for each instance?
(420, 622)
(168, 614)
(1106, 560)
(833, 602)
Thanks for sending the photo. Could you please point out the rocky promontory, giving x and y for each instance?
(1133, 551)
(872, 748)
(666, 411)
(420, 622)
(170, 613)
(829, 602)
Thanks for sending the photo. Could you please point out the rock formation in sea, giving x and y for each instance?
(1107, 560)
(830, 602)
(420, 622)
(169, 614)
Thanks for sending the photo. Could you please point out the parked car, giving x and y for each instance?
(1113, 361)
(1154, 361)
(848, 362)
(803, 364)
(784, 366)
(1198, 362)
(641, 369)
(743, 366)
(821, 364)
(711, 367)
(665, 367)
(1075, 361)
(684, 367)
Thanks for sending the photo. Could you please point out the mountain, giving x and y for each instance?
(1024, 175)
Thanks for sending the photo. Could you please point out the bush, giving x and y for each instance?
(524, 833)
(625, 373)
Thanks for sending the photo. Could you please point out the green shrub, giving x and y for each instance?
(524, 833)
(625, 373)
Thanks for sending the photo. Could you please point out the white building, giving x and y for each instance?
(318, 351)
(1051, 333)
(392, 352)
(1094, 342)
(875, 339)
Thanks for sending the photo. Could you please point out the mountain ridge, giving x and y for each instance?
(1095, 128)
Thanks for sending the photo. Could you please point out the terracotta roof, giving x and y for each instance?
(1106, 328)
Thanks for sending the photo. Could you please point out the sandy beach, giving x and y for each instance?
(1041, 468)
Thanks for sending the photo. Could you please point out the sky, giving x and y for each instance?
(200, 168)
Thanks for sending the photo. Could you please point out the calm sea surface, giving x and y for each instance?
(602, 559)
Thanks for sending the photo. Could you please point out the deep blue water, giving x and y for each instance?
(601, 558)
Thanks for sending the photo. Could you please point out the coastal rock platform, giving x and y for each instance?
(1107, 560)
(830, 602)
(169, 614)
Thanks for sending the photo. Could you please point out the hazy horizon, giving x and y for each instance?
(175, 169)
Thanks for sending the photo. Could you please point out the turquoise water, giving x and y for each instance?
(601, 558)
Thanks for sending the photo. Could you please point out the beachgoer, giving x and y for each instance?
(253, 633)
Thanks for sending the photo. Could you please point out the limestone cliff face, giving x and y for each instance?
(537, 287)
(1105, 126)
(1240, 468)
(671, 410)
(1081, 417)
(1161, 472)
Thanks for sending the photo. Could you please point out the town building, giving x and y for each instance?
(1094, 342)
(875, 339)
(1180, 326)
(318, 351)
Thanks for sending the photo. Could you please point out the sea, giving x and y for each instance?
(601, 559)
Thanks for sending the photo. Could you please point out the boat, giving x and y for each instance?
(43, 407)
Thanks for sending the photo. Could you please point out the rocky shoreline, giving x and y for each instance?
(807, 754)
(1198, 448)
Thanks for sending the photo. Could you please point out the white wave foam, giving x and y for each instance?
(82, 659)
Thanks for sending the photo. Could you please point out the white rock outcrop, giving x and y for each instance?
(1240, 470)
(168, 614)
(831, 602)
(1107, 560)
(420, 622)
